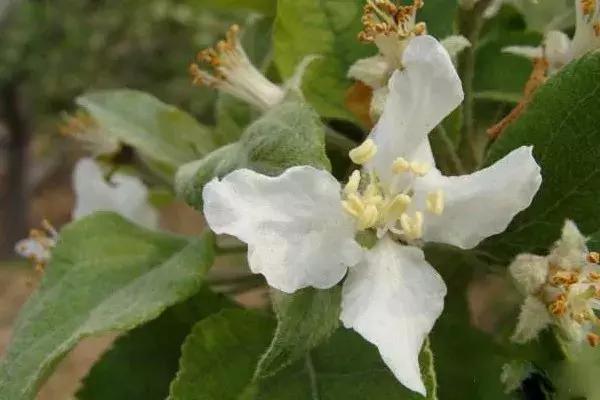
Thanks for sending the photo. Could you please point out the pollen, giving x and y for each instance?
(420, 169)
(353, 183)
(38, 246)
(596, 27)
(564, 278)
(412, 226)
(559, 306)
(400, 166)
(588, 7)
(435, 202)
(593, 257)
(363, 153)
(384, 18)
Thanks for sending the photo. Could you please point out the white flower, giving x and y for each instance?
(557, 48)
(123, 194)
(83, 128)
(391, 28)
(38, 246)
(234, 73)
(300, 227)
(561, 288)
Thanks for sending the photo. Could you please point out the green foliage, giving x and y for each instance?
(106, 274)
(289, 134)
(304, 320)
(219, 356)
(158, 130)
(327, 28)
(440, 16)
(142, 363)
(226, 346)
(266, 7)
(561, 124)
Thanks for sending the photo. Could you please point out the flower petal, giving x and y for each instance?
(421, 96)
(297, 232)
(373, 71)
(393, 299)
(123, 194)
(481, 204)
(534, 317)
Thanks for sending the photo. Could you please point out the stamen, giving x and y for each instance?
(420, 169)
(37, 248)
(593, 257)
(396, 207)
(353, 183)
(368, 218)
(412, 226)
(384, 18)
(233, 73)
(588, 7)
(83, 128)
(559, 306)
(566, 278)
(435, 202)
(363, 153)
(400, 166)
(354, 205)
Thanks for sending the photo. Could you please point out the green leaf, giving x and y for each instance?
(327, 28)
(440, 16)
(304, 320)
(219, 356)
(158, 130)
(288, 135)
(562, 125)
(106, 274)
(266, 7)
(142, 364)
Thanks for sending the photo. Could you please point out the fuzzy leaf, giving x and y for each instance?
(562, 125)
(158, 130)
(304, 320)
(106, 274)
(288, 135)
(142, 363)
(219, 356)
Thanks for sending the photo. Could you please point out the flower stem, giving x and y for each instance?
(470, 24)
(312, 376)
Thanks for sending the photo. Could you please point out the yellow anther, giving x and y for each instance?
(400, 166)
(368, 218)
(420, 29)
(420, 169)
(593, 339)
(412, 226)
(435, 202)
(354, 205)
(588, 6)
(363, 153)
(353, 183)
(594, 257)
(396, 207)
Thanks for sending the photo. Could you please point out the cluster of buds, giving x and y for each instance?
(84, 129)
(234, 74)
(38, 246)
(562, 289)
(384, 18)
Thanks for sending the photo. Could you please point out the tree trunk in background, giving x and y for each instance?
(14, 199)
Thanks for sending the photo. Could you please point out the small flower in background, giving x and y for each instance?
(562, 289)
(390, 28)
(84, 129)
(391, 295)
(123, 194)
(38, 246)
(557, 48)
(234, 74)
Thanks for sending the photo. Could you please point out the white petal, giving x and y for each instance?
(585, 38)
(373, 71)
(529, 271)
(558, 46)
(393, 299)
(481, 204)
(125, 194)
(529, 52)
(297, 232)
(570, 252)
(533, 318)
(421, 96)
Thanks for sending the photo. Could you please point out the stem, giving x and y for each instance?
(225, 251)
(470, 24)
(444, 148)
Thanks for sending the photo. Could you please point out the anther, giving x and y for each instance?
(420, 169)
(363, 153)
(593, 339)
(353, 183)
(400, 166)
(412, 226)
(435, 202)
(593, 257)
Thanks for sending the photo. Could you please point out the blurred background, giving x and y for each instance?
(53, 51)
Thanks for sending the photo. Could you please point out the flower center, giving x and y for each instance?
(375, 206)
(83, 128)
(38, 246)
(234, 74)
(388, 25)
(571, 294)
